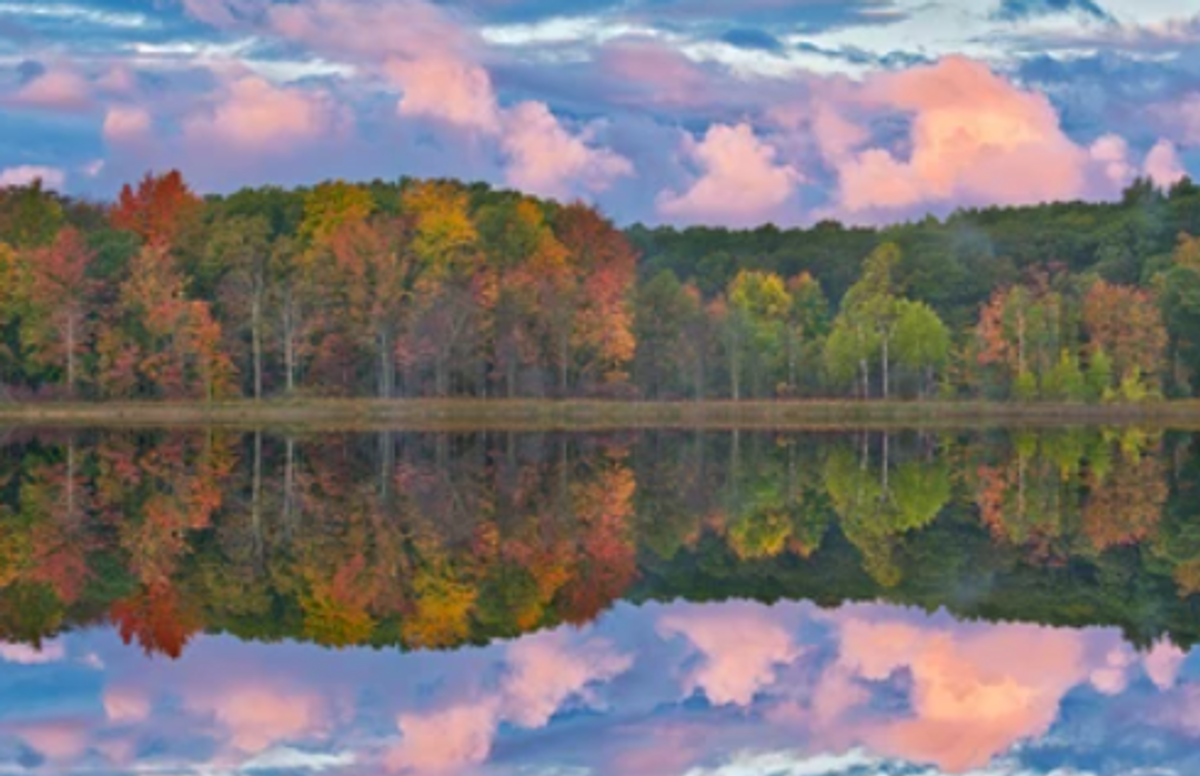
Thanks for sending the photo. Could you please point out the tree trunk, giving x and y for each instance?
(71, 353)
(441, 377)
(256, 339)
(289, 484)
(256, 496)
(791, 365)
(289, 340)
(735, 371)
(387, 370)
(887, 377)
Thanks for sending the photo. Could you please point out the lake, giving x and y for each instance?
(676, 602)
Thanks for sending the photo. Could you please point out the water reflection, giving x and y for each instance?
(655, 603)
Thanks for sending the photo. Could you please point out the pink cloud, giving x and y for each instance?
(1162, 664)
(661, 75)
(445, 741)
(742, 649)
(374, 31)
(51, 177)
(252, 114)
(545, 671)
(446, 89)
(1111, 153)
(60, 741)
(126, 705)
(118, 80)
(124, 124)
(23, 654)
(975, 138)
(742, 183)
(57, 90)
(836, 136)
(544, 158)
(1112, 677)
(1163, 165)
(975, 692)
(259, 715)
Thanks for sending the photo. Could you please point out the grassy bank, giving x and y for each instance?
(544, 415)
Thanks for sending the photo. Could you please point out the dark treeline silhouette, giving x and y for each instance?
(436, 288)
(437, 540)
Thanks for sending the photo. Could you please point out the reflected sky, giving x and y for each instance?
(726, 689)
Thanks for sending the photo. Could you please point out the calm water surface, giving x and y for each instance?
(709, 604)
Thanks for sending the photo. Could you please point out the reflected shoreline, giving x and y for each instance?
(459, 415)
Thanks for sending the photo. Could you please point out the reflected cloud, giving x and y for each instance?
(741, 649)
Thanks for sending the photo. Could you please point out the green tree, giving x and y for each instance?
(922, 342)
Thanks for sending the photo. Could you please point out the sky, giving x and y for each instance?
(679, 689)
(723, 112)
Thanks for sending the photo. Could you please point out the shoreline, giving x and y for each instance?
(538, 414)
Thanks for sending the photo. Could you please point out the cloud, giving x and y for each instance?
(59, 741)
(446, 89)
(793, 764)
(742, 649)
(125, 123)
(742, 181)
(648, 72)
(51, 177)
(543, 672)
(374, 31)
(975, 139)
(1181, 118)
(1163, 165)
(974, 692)
(544, 158)
(287, 760)
(259, 715)
(23, 654)
(1111, 152)
(56, 90)
(126, 705)
(1163, 663)
(445, 741)
(251, 114)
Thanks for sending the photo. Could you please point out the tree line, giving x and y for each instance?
(437, 288)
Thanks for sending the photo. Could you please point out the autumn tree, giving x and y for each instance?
(450, 293)
(1126, 324)
(1021, 335)
(162, 210)
(758, 308)
(56, 329)
(604, 271)
(242, 247)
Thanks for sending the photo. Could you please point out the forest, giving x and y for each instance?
(433, 541)
(436, 288)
